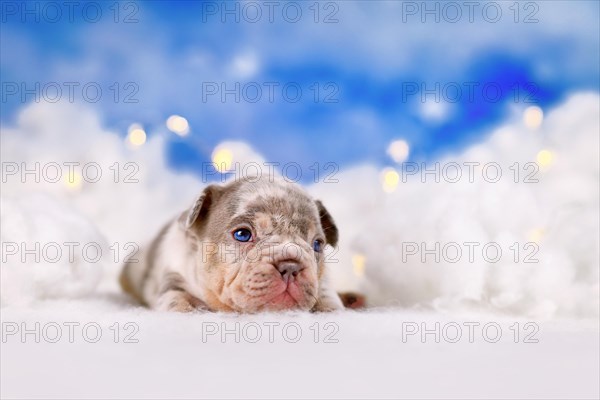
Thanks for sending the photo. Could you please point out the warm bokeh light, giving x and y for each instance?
(390, 179)
(136, 136)
(179, 125)
(535, 235)
(545, 158)
(533, 117)
(359, 262)
(223, 159)
(399, 150)
(72, 181)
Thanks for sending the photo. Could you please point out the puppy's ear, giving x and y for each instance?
(329, 227)
(201, 207)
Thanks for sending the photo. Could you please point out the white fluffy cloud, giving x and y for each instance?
(559, 213)
(135, 183)
(48, 251)
(64, 147)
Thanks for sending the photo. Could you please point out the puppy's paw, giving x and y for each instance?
(328, 304)
(178, 301)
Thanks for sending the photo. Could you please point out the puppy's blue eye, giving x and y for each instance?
(317, 245)
(242, 235)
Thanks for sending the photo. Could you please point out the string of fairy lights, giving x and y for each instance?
(398, 150)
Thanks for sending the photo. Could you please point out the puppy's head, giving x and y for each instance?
(259, 245)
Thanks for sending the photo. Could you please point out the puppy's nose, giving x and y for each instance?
(289, 269)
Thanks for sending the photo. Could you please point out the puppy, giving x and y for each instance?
(254, 244)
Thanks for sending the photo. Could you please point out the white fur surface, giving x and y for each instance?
(370, 359)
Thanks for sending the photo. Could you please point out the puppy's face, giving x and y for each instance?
(260, 245)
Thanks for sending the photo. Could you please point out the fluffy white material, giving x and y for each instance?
(559, 213)
(48, 251)
(355, 356)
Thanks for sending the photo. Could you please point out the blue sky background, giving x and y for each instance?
(370, 57)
